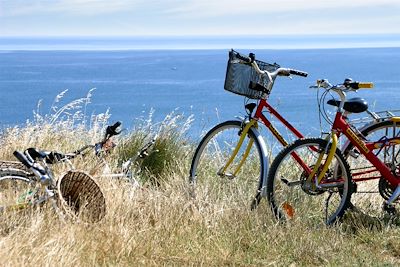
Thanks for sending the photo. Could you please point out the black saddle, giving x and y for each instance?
(353, 105)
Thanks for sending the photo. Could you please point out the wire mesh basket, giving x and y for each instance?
(242, 79)
(81, 197)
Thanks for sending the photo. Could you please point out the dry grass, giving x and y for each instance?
(163, 225)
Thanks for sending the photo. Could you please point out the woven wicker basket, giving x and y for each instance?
(81, 197)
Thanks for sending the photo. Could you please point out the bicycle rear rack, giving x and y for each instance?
(376, 116)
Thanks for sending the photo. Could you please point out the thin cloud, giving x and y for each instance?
(248, 8)
(73, 7)
(196, 17)
(179, 8)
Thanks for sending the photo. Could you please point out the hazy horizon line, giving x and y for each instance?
(199, 42)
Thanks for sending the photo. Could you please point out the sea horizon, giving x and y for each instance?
(273, 42)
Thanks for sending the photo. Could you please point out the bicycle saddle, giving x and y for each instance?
(353, 105)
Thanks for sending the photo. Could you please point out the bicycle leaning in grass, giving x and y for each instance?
(100, 149)
(311, 178)
(30, 182)
(230, 163)
(32, 185)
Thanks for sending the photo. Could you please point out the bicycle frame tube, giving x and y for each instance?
(359, 175)
(367, 150)
(260, 116)
(382, 144)
(257, 117)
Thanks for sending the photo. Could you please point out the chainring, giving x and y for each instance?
(385, 189)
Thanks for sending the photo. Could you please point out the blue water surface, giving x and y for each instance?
(131, 83)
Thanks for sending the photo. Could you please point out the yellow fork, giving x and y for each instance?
(327, 162)
(236, 150)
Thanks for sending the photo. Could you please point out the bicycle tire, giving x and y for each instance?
(15, 168)
(16, 192)
(367, 196)
(296, 199)
(212, 154)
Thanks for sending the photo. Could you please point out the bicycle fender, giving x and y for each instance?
(263, 146)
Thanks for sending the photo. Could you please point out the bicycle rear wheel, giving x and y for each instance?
(16, 195)
(240, 185)
(293, 197)
(371, 189)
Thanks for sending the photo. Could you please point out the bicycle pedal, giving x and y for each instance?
(354, 187)
(389, 209)
(230, 176)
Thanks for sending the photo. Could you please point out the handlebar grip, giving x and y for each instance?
(298, 73)
(366, 85)
(116, 125)
(360, 85)
(21, 157)
(112, 130)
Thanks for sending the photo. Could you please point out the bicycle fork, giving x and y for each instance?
(334, 141)
(243, 135)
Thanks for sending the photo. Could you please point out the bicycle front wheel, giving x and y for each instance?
(14, 192)
(293, 196)
(238, 184)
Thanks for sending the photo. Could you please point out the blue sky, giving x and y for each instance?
(189, 17)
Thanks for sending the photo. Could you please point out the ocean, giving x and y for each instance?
(132, 83)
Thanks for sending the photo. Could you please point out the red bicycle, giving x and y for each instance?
(312, 175)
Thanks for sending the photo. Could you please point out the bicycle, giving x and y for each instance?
(75, 196)
(105, 146)
(30, 182)
(313, 174)
(220, 147)
(100, 149)
(231, 159)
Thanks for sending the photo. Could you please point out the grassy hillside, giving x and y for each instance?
(160, 223)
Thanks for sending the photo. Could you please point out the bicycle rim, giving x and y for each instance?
(232, 187)
(293, 198)
(16, 197)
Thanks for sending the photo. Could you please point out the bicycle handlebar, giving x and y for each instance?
(112, 130)
(347, 85)
(298, 73)
(39, 171)
(52, 157)
(288, 72)
(21, 157)
(279, 72)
